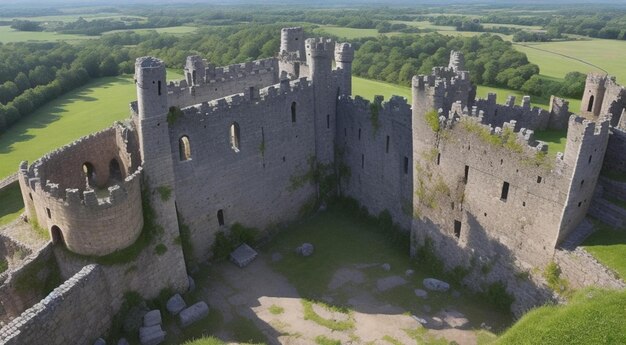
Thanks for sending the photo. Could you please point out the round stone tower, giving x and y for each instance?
(195, 70)
(457, 61)
(344, 55)
(292, 41)
(591, 103)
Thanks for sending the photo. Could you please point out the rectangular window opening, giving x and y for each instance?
(362, 161)
(457, 229)
(406, 165)
(505, 191)
(327, 121)
(359, 134)
(48, 212)
(466, 174)
(438, 158)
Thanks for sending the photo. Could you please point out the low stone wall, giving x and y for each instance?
(84, 298)
(13, 252)
(6, 182)
(17, 292)
(581, 270)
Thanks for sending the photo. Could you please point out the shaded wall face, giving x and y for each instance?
(254, 184)
(379, 157)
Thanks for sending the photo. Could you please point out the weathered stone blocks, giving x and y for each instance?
(194, 313)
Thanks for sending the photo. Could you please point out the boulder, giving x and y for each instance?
(175, 304)
(435, 323)
(435, 285)
(153, 317)
(409, 273)
(386, 267)
(421, 293)
(454, 319)
(194, 313)
(306, 249)
(99, 341)
(152, 335)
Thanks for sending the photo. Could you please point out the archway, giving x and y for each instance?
(57, 236)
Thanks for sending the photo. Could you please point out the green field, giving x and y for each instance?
(608, 245)
(70, 17)
(8, 35)
(351, 33)
(178, 30)
(75, 114)
(11, 203)
(591, 317)
(555, 59)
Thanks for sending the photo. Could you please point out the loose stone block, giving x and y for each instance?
(194, 313)
(175, 304)
(436, 285)
(152, 335)
(153, 317)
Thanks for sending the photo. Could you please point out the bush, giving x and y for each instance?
(225, 243)
(497, 295)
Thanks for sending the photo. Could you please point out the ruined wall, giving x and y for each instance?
(615, 158)
(76, 312)
(251, 183)
(22, 286)
(526, 117)
(613, 101)
(374, 141)
(223, 81)
(581, 270)
(90, 221)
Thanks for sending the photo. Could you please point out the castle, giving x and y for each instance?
(227, 145)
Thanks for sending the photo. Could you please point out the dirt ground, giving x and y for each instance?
(262, 295)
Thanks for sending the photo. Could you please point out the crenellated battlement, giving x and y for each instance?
(495, 114)
(267, 94)
(320, 47)
(344, 52)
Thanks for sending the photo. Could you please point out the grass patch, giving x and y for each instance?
(322, 340)
(245, 331)
(225, 243)
(608, 246)
(310, 314)
(484, 337)
(555, 139)
(276, 310)
(4, 265)
(11, 203)
(422, 337)
(160, 249)
(39, 277)
(552, 274)
(592, 316)
(165, 192)
(392, 340)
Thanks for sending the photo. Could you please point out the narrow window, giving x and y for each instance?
(590, 105)
(159, 87)
(359, 134)
(452, 205)
(293, 111)
(251, 90)
(30, 195)
(234, 137)
(438, 158)
(115, 172)
(539, 179)
(387, 145)
(505, 191)
(48, 212)
(457, 229)
(466, 174)
(90, 173)
(495, 113)
(327, 121)
(184, 148)
(580, 203)
(345, 132)
(193, 78)
(220, 217)
(589, 159)
(362, 161)
(582, 183)
(406, 165)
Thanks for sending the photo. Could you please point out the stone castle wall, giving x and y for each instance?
(76, 312)
(90, 221)
(224, 81)
(374, 140)
(615, 159)
(251, 184)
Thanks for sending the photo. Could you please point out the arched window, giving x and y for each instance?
(590, 105)
(235, 137)
(220, 217)
(57, 235)
(115, 172)
(184, 148)
(90, 174)
(293, 111)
